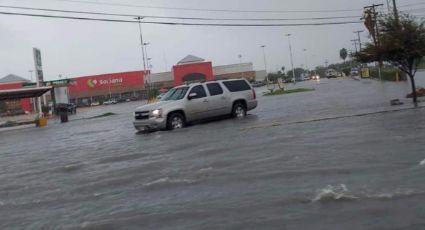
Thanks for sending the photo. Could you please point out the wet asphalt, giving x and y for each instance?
(339, 157)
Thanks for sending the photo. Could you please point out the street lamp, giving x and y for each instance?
(240, 63)
(147, 61)
(30, 71)
(292, 60)
(264, 56)
(139, 19)
(141, 42)
(305, 58)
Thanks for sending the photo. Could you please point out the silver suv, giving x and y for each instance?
(198, 101)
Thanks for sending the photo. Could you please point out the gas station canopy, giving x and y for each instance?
(11, 94)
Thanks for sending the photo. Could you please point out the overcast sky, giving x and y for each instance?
(78, 48)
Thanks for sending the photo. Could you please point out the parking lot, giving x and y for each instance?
(324, 158)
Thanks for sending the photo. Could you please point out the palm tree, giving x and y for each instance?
(343, 54)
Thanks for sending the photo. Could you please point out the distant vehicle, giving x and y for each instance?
(69, 107)
(110, 102)
(121, 100)
(331, 73)
(315, 77)
(258, 84)
(197, 101)
(95, 103)
(354, 72)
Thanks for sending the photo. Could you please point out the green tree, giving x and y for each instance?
(343, 54)
(401, 43)
(298, 72)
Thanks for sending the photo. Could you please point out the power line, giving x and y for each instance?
(169, 17)
(412, 4)
(181, 23)
(208, 10)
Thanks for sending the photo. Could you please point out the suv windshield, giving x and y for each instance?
(175, 94)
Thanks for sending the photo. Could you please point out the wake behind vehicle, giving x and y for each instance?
(197, 101)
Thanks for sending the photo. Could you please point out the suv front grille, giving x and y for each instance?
(143, 115)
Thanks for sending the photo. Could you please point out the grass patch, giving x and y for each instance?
(103, 115)
(282, 92)
(8, 124)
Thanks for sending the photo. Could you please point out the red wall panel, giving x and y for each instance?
(15, 85)
(104, 81)
(26, 105)
(180, 71)
(26, 102)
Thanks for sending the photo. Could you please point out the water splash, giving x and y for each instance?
(334, 193)
(166, 181)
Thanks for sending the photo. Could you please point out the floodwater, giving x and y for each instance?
(339, 157)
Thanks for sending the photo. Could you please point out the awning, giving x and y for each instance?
(11, 94)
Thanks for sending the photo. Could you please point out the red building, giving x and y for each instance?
(192, 69)
(14, 106)
(88, 89)
(98, 88)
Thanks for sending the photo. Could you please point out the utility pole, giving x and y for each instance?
(359, 39)
(395, 10)
(371, 23)
(292, 60)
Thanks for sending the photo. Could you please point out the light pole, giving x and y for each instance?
(264, 56)
(292, 60)
(305, 58)
(306, 72)
(240, 63)
(143, 49)
(145, 45)
(30, 71)
(32, 99)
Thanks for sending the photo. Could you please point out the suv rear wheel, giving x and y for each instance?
(175, 121)
(239, 110)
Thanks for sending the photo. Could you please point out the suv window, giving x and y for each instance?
(199, 90)
(214, 89)
(236, 86)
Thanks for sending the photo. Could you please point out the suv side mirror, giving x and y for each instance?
(192, 95)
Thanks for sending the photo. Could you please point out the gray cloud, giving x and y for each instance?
(76, 48)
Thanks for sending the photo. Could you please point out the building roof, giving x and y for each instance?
(233, 68)
(12, 78)
(22, 93)
(190, 59)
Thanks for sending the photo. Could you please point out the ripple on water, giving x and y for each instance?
(166, 183)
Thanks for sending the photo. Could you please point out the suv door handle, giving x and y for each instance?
(205, 100)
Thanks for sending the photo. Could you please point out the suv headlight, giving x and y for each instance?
(157, 113)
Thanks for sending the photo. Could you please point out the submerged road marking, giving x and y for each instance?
(275, 124)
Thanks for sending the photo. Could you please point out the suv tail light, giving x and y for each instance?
(254, 94)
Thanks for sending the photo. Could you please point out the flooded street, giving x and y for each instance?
(339, 157)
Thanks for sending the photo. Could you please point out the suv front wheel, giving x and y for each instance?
(239, 110)
(175, 121)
